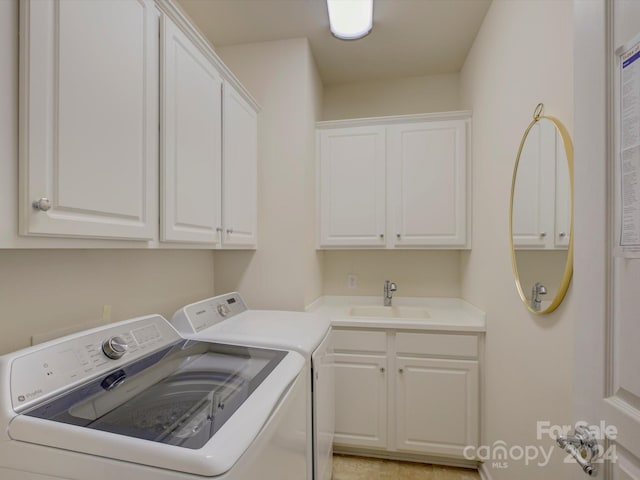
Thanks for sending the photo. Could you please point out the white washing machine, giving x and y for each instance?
(226, 318)
(135, 400)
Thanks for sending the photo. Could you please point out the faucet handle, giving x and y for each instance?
(392, 287)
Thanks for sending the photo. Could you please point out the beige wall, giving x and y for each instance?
(48, 290)
(430, 273)
(43, 291)
(285, 271)
(426, 273)
(433, 93)
(521, 56)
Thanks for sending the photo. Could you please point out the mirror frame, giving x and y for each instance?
(568, 269)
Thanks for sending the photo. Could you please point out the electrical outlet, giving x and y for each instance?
(352, 280)
(106, 313)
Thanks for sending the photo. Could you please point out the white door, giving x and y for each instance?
(361, 400)
(606, 287)
(239, 171)
(191, 141)
(426, 172)
(323, 409)
(352, 187)
(436, 405)
(89, 118)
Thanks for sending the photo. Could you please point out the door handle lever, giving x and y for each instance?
(583, 447)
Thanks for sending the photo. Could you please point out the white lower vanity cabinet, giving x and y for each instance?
(407, 393)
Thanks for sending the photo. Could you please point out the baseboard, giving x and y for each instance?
(483, 470)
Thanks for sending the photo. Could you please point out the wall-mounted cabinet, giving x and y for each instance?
(239, 170)
(209, 150)
(406, 392)
(89, 119)
(191, 153)
(92, 75)
(395, 182)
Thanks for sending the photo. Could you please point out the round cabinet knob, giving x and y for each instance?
(401, 370)
(382, 236)
(543, 234)
(114, 347)
(43, 204)
(381, 369)
(229, 231)
(562, 234)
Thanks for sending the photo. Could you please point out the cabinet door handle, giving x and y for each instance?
(218, 229)
(229, 231)
(382, 236)
(43, 204)
(562, 234)
(543, 234)
(398, 236)
(401, 370)
(381, 369)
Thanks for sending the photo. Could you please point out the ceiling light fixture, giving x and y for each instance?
(350, 19)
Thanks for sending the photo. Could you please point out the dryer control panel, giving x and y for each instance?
(47, 370)
(201, 315)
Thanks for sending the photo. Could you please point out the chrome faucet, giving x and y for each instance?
(389, 288)
(537, 290)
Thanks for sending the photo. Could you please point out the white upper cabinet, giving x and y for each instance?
(125, 133)
(191, 152)
(239, 170)
(427, 180)
(352, 186)
(89, 119)
(394, 182)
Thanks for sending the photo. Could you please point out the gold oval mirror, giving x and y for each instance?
(541, 224)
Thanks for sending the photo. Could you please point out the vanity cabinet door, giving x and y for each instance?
(239, 171)
(361, 400)
(436, 405)
(427, 183)
(89, 119)
(191, 142)
(352, 187)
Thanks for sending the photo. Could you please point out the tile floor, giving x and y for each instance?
(347, 467)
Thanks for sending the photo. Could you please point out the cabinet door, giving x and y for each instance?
(533, 197)
(89, 118)
(361, 400)
(352, 187)
(239, 171)
(191, 141)
(436, 405)
(428, 187)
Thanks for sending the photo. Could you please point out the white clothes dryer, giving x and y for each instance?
(226, 318)
(136, 400)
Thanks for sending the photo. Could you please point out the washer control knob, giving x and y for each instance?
(114, 347)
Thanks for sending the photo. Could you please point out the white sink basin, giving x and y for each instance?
(389, 312)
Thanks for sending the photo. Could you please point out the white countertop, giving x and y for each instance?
(446, 314)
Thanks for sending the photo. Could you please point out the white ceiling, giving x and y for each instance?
(409, 37)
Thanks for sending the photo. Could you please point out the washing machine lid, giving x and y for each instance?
(191, 406)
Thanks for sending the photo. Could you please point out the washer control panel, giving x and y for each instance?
(61, 364)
